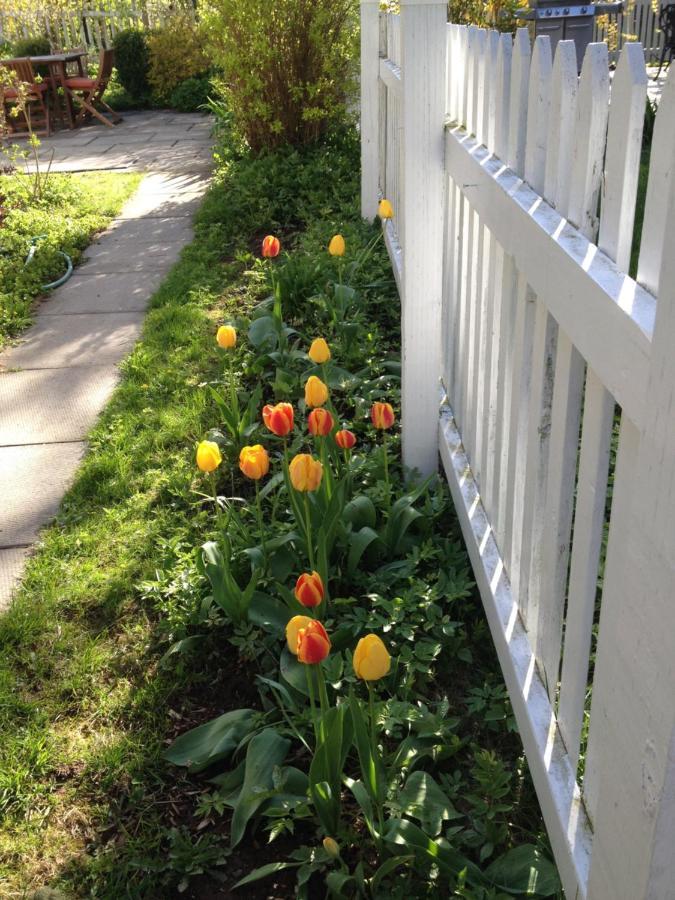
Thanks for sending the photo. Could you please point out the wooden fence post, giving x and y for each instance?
(370, 92)
(423, 64)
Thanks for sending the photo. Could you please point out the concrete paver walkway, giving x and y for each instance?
(55, 382)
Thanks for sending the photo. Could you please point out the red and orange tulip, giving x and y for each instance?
(320, 422)
(279, 419)
(382, 415)
(345, 439)
(309, 589)
(313, 643)
(270, 246)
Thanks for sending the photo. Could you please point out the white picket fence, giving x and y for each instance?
(514, 185)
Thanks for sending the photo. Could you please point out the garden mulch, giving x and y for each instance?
(55, 382)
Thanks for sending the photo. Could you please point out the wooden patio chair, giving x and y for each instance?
(88, 92)
(36, 97)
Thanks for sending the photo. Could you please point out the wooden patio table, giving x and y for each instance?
(57, 62)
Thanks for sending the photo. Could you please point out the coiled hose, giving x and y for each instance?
(69, 264)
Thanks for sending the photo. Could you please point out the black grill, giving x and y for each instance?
(564, 22)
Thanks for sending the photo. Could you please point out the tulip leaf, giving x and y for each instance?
(267, 612)
(263, 330)
(360, 511)
(524, 871)
(215, 740)
(295, 673)
(265, 751)
(386, 869)
(362, 797)
(359, 542)
(422, 799)
(449, 861)
(265, 871)
(338, 882)
(369, 758)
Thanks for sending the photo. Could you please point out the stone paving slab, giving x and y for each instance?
(104, 293)
(78, 340)
(49, 469)
(105, 257)
(160, 206)
(12, 564)
(52, 405)
(137, 234)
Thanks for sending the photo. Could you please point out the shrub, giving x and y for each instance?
(191, 94)
(288, 66)
(132, 61)
(32, 46)
(176, 54)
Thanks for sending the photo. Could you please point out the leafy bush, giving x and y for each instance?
(132, 61)
(499, 14)
(176, 53)
(191, 94)
(32, 46)
(288, 67)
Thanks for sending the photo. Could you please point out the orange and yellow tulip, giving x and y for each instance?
(313, 643)
(316, 392)
(337, 246)
(319, 351)
(309, 589)
(226, 337)
(371, 658)
(382, 415)
(305, 472)
(279, 419)
(270, 246)
(345, 439)
(254, 462)
(320, 422)
(292, 630)
(208, 456)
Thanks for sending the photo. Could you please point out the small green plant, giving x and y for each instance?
(191, 95)
(132, 61)
(176, 54)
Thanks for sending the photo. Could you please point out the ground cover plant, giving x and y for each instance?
(118, 645)
(62, 218)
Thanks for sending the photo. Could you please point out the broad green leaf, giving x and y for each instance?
(360, 511)
(362, 797)
(265, 872)
(337, 882)
(371, 765)
(215, 740)
(359, 542)
(524, 871)
(271, 614)
(386, 869)
(263, 330)
(183, 646)
(405, 833)
(422, 799)
(265, 751)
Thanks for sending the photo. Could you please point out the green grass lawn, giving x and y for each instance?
(70, 211)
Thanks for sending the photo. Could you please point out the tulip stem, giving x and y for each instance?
(374, 750)
(312, 701)
(308, 533)
(386, 470)
(219, 512)
(323, 698)
(260, 523)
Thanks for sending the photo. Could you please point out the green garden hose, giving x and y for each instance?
(69, 264)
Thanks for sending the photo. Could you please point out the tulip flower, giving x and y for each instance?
(345, 439)
(313, 643)
(305, 472)
(309, 589)
(271, 246)
(292, 628)
(279, 419)
(226, 337)
(385, 210)
(208, 456)
(382, 415)
(319, 351)
(320, 422)
(337, 245)
(316, 392)
(371, 658)
(254, 462)
(331, 846)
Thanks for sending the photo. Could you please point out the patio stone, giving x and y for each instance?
(104, 293)
(12, 563)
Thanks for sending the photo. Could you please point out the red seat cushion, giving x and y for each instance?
(80, 84)
(11, 93)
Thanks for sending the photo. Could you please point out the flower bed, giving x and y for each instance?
(343, 590)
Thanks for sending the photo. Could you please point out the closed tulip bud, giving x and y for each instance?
(309, 589)
(292, 629)
(337, 245)
(226, 337)
(316, 392)
(382, 415)
(371, 658)
(313, 643)
(320, 422)
(331, 846)
(254, 462)
(385, 210)
(319, 351)
(279, 419)
(345, 439)
(208, 456)
(305, 472)
(271, 246)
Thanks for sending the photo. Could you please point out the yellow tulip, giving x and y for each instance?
(319, 351)
(293, 629)
(385, 210)
(208, 456)
(254, 462)
(331, 846)
(316, 392)
(371, 658)
(337, 245)
(305, 472)
(226, 337)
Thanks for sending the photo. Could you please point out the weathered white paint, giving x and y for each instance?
(370, 52)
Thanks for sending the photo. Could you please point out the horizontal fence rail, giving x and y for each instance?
(557, 417)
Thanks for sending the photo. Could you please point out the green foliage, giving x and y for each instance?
(176, 53)
(288, 67)
(32, 46)
(191, 95)
(132, 61)
(499, 14)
